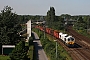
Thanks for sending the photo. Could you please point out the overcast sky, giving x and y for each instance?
(40, 7)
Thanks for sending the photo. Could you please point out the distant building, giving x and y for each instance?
(70, 21)
(40, 22)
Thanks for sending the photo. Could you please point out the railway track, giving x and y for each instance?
(74, 52)
(81, 51)
(79, 37)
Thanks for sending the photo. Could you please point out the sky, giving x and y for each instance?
(40, 7)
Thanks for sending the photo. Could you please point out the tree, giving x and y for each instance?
(67, 16)
(51, 16)
(19, 53)
(8, 25)
(81, 23)
(48, 18)
(52, 13)
(80, 20)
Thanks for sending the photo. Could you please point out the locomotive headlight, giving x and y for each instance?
(71, 43)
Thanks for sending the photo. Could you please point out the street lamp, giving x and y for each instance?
(56, 48)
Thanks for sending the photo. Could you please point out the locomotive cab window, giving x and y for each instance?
(60, 35)
(65, 39)
(72, 39)
(68, 39)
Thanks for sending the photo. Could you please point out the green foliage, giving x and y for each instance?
(51, 16)
(31, 50)
(19, 53)
(52, 20)
(80, 20)
(0, 49)
(66, 16)
(9, 26)
(82, 25)
(50, 48)
(30, 41)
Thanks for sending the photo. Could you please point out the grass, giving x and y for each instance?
(63, 53)
(3, 57)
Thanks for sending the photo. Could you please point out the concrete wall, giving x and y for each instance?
(28, 30)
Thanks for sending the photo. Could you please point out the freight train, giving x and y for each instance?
(65, 38)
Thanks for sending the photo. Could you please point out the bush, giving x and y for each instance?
(0, 49)
(19, 53)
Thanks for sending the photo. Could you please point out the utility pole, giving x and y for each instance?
(56, 48)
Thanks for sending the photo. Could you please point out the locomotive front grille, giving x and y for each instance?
(71, 43)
